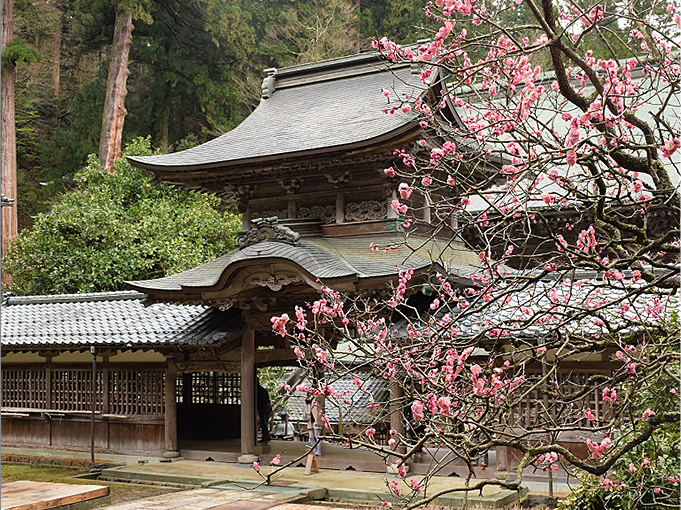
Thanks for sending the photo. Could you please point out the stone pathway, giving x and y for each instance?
(217, 499)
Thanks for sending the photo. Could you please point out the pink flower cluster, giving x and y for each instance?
(598, 449)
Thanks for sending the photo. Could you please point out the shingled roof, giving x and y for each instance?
(326, 259)
(314, 107)
(116, 319)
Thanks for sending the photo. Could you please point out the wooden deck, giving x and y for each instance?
(24, 495)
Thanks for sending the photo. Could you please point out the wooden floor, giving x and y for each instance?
(23, 495)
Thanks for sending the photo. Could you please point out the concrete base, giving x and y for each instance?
(173, 459)
(170, 454)
(247, 458)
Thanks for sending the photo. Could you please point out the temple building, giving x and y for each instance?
(307, 170)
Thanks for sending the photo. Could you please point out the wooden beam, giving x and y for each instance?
(268, 355)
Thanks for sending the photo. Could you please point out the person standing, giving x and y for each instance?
(312, 413)
(264, 411)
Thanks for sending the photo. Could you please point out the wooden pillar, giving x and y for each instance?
(292, 209)
(49, 401)
(246, 218)
(247, 397)
(396, 415)
(187, 388)
(340, 207)
(170, 448)
(106, 401)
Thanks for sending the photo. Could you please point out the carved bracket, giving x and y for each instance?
(268, 229)
(205, 366)
(241, 191)
(339, 180)
(292, 185)
(276, 282)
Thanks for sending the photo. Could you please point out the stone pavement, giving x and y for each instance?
(213, 499)
(352, 486)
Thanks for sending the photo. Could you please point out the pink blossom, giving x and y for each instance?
(607, 483)
(417, 408)
(426, 181)
(444, 404)
(370, 432)
(276, 460)
(390, 171)
(669, 148)
(256, 466)
(648, 413)
(609, 394)
(399, 206)
(279, 324)
(405, 190)
(590, 415)
(597, 450)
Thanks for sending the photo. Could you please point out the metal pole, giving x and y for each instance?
(93, 351)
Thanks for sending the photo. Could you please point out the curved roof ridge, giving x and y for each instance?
(304, 115)
(73, 298)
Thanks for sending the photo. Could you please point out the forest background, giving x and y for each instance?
(195, 71)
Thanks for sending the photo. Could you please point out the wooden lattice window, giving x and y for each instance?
(24, 387)
(570, 382)
(215, 388)
(138, 392)
(71, 390)
(179, 389)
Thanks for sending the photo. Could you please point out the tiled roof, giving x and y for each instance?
(565, 299)
(355, 404)
(320, 108)
(326, 259)
(118, 319)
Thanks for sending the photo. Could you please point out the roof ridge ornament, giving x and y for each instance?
(269, 83)
(268, 229)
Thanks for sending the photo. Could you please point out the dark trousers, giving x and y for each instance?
(264, 416)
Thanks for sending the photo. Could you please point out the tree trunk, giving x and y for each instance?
(8, 142)
(114, 103)
(56, 48)
(164, 125)
(358, 45)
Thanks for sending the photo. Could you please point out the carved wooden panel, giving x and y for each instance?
(326, 213)
(367, 210)
(282, 214)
